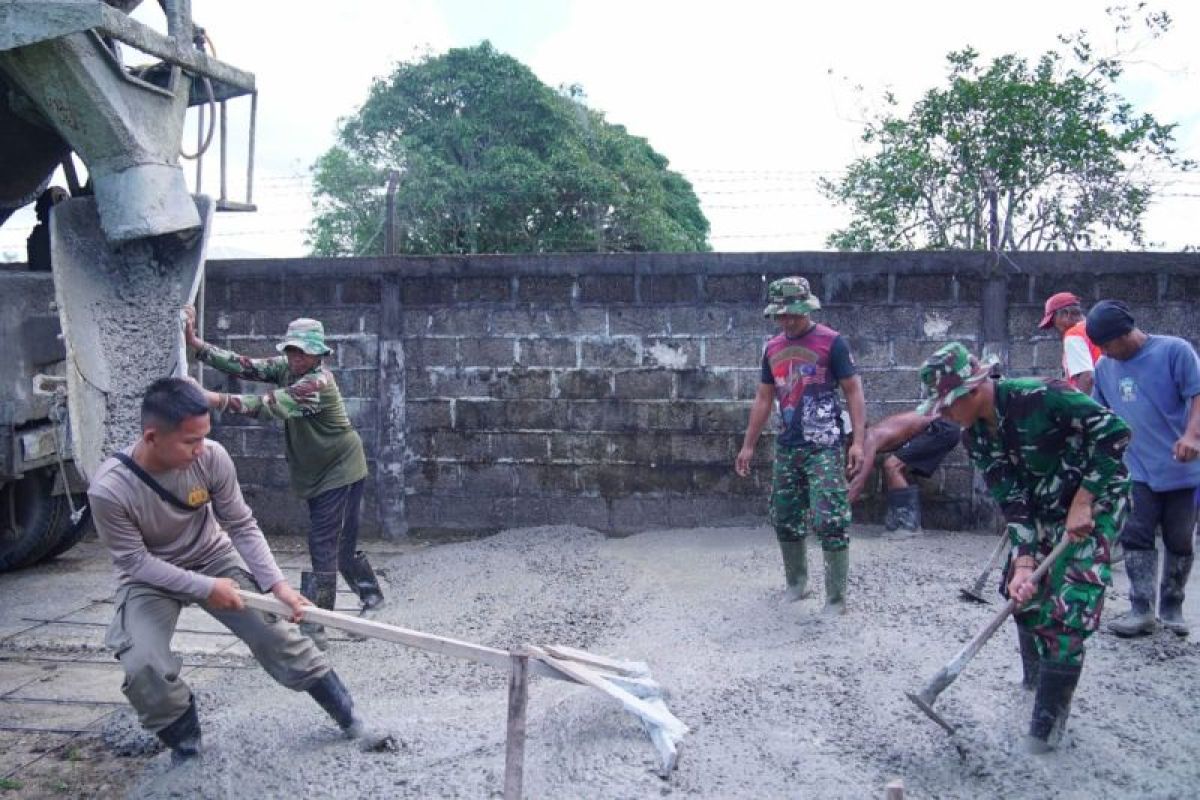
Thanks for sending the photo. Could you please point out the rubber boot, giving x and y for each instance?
(1176, 570)
(1051, 705)
(321, 589)
(183, 735)
(333, 696)
(1030, 662)
(903, 510)
(362, 580)
(837, 568)
(795, 569)
(1141, 566)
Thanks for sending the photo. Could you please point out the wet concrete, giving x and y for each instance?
(781, 702)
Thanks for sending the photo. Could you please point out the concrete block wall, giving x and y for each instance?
(612, 390)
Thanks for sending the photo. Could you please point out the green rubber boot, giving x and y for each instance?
(795, 569)
(837, 569)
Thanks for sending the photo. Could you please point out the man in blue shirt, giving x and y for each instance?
(1153, 383)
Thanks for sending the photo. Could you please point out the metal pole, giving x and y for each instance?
(179, 20)
(224, 131)
(199, 145)
(250, 159)
(389, 222)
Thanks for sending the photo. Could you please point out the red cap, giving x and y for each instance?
(1056, 303)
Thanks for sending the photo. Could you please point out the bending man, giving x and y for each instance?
(171, 514)
(915, 443)
(1051, 457)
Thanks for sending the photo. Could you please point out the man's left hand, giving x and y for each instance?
(1187, 448)
(854, 459)
(284, 592)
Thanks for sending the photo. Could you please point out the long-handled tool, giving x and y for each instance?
(928, 695)
(974, 592)
(627, 682)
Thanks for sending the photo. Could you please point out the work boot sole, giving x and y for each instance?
(1179, 628)
(1131, 631)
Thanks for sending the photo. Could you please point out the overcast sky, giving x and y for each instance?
(752, 101)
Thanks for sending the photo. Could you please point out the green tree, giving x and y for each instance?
(491, 160)
(1062, 156)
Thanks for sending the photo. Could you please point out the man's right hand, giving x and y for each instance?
(742, 464)
(1020, 588)
(224, 596)
(189, 328)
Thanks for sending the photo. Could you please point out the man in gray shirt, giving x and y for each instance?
(171, 514)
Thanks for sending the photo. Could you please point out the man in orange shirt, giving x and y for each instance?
(1064, 313)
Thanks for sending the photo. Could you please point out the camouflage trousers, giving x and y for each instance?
(1066, 609)
(808, 494)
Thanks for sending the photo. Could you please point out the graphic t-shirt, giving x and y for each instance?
(805, 372)
(1153, 392)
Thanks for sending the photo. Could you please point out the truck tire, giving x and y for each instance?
(70, 534)
(30, 519)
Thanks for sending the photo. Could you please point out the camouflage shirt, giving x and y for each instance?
(1048, 441)
(323, 450)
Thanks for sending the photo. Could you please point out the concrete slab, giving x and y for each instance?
(23, 714)
(13, 676)
(74, 682)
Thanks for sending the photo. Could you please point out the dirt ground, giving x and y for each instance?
(781, 702)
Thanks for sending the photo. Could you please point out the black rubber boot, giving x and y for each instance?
(903, 510)
(362, 580)
(1141, 566)
(837, 569)
(321, 589)
(1175, 572)
(1051, 705)
(333, 696)
(1030, 662)
(795, 568)
(183, 735)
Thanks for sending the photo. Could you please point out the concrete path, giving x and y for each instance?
(58, 683)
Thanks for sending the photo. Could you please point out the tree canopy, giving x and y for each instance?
(1066, 157)
(491, 160)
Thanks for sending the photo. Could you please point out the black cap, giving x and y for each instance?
(1108, 320)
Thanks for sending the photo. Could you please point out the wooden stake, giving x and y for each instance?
(894, 789)
(514, 750)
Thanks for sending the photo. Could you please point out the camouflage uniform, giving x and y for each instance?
(325, 458)
(298, 396)
(808, 493)
(324, 452)
(1049, 440)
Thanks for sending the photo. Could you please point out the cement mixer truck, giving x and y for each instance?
(93, 317)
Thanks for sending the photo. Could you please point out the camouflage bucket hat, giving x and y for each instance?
(790, 296)
(307, 335)
(949, 374)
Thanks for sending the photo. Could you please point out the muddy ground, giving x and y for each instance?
(781, 701)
